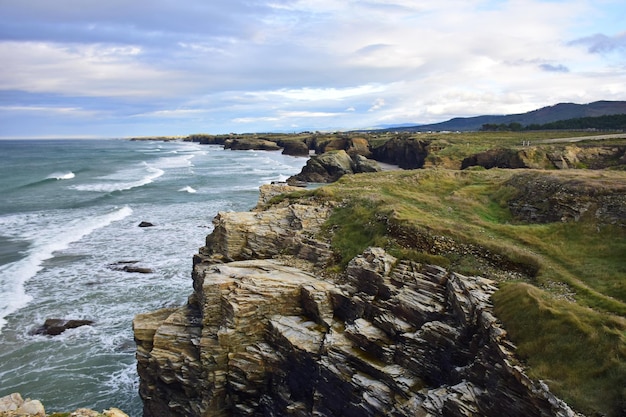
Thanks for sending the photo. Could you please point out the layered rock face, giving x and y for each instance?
(266, 332)
(330, 166)
(564, 157)
(543, 198)
(407, 153)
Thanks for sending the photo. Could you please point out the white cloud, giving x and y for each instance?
(48, 111)
(284, 62)
(76, 70)
(379, 103)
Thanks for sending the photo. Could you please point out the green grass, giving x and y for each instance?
(353, 228)
(564, 305)
(460, 220)
(580, 352)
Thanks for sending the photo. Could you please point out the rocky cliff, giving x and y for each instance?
(267, 331)
(550, 157)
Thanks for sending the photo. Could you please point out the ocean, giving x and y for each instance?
(69, 216)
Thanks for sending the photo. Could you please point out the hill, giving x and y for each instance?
(561, 111)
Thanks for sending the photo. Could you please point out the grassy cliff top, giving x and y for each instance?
(562, 291)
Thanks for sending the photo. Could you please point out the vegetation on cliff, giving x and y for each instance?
(563, 295)
(555, 238)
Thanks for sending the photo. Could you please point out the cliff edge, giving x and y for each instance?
(268, 331)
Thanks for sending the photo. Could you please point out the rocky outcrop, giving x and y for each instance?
(496, 158)
(407, 153)
(245, 144)
(550, 157)
(14, 405)
(130, 266)
(54, 327)
(267, 332)
(269, 191)
(352, 145)
(331, 166)
(544, 198)
(285, 230)
(294, 147)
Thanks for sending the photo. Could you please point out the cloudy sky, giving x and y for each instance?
(119, 68)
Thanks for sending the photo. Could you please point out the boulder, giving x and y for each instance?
(294, 147)
(54, 327)
(362, 164)
(14, 405)
(129, 266)
(330, 166)
(145, 224)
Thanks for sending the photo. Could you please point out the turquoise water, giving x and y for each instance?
(68, 211)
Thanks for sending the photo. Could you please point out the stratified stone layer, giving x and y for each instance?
(260, 337)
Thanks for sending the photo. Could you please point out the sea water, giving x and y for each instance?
(69, 215)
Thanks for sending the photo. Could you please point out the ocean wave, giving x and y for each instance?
(189, 189)
(178, 161)
(55, 238)
(116, 182)
(61, 175)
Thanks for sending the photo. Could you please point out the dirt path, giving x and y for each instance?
(581, 138)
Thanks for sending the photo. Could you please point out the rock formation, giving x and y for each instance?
(550, 157)
(544, 198)
(268, 332)
(14, 405)
(54, 327)
(331, 166)
(352, 145)
(407, 153)
(294, 147)
(244, 144)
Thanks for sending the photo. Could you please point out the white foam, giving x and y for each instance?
(61, 175)
(119, 182)
(179, 161)
(55, 238)
(189, 189)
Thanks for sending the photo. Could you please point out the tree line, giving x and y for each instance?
(610, 122)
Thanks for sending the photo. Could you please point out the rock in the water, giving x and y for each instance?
(145, 224)
(137, 269)
(129, 266)
(54, 327)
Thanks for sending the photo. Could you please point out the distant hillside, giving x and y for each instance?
(541, 116)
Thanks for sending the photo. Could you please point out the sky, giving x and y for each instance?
(119, 68)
